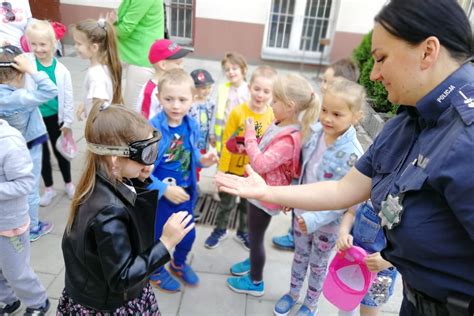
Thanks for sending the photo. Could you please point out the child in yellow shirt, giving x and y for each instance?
(233, 156)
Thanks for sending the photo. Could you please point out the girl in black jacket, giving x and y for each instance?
(108, 245)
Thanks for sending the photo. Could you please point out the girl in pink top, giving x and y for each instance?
(277, 159)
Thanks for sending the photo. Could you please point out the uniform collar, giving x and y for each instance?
(432, 105)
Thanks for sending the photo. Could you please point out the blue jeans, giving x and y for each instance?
(36, 153)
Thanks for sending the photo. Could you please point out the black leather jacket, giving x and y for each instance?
(110, 249)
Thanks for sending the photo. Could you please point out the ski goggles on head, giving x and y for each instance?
(9, 50)
(141, 151)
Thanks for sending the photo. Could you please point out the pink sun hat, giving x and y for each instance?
(348, 279)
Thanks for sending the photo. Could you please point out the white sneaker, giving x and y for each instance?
(70, 190)
(47, 197)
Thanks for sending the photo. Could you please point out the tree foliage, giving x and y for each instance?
(375, 90)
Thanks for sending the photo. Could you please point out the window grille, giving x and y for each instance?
(179, 15)
(315, 25)
(299, 30)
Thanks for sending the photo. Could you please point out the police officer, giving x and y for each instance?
(419, 171)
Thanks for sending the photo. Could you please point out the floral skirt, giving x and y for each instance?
(145, 304)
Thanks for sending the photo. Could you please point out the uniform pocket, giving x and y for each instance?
(412, 179)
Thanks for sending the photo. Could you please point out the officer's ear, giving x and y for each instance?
(430, 49)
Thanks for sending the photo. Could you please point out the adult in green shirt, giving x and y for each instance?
(138, 24)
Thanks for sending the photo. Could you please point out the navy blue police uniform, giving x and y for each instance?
(422, 171)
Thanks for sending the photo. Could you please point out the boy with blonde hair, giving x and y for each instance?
(174, 175)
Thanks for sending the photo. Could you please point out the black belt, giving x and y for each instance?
(457, 304)
(424, 304)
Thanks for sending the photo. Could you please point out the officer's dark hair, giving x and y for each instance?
(416, 20)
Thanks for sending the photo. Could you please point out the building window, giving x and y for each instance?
(179, 15)
(298, 30)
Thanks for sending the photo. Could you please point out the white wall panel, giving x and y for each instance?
(357, 16)
(247, 11)
(93, 3)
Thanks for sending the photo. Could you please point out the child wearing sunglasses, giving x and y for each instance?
(108, 245)
(174, 175)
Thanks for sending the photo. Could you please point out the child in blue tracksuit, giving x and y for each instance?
(19, 107)
(174, 175)
(363, 229)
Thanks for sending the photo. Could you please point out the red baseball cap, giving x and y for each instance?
(163, 49)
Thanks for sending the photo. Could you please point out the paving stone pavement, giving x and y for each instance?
(211, 297)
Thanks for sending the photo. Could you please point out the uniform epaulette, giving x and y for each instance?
(463, 102)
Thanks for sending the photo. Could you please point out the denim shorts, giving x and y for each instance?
(381, 289)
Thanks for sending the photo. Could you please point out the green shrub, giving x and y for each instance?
(361, 53)
(375, 90)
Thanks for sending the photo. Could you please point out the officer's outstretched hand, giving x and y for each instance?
(175, 228)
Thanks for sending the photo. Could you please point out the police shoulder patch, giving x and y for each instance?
(463, 102)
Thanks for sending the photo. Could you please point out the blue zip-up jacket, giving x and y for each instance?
(337, 160)
(19, 107)
(160, 122)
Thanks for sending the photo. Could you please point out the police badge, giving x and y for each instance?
(391, 211)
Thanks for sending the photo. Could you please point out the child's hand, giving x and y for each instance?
(376, 263)
(249, 124)
(302, 224)
(81, 112)
(176, 194)
(240, 148)
(208, 159)
(22, 64)
(344, 241)
(66, 131)
(145, 173)
(175, 229)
